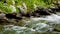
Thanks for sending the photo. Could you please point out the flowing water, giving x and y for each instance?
(34, 25)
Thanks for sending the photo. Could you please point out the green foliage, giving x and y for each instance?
(29, 3)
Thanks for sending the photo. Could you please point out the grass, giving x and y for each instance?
(5, 7)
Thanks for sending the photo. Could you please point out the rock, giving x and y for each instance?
(52, 11)
(2, 16)
(22, 14)
(19, 29)
(57, 28)
(28, 14)
(44, 11)
(42, 27)
(56, 2)
(13, 16)
(55, 9)
(35, 14)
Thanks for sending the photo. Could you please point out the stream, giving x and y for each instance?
(34, 26)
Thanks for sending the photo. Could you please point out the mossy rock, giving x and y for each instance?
(48, 33)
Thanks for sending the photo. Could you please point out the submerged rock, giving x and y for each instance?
(19, 29)
(42, 27)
